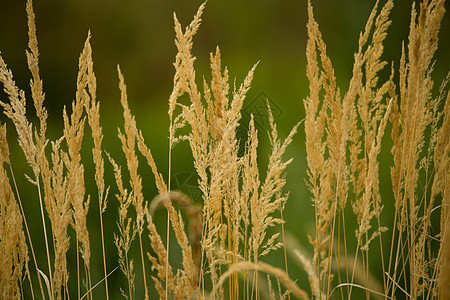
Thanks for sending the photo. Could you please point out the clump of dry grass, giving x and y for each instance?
(229, 233)
(417, 112)
(348, 132)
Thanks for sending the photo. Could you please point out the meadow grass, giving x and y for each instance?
(239, 220)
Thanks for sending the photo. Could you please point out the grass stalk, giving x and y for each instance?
(169, 181)
(284, 247)
(103, 252)
(50, 288)
(78, 270)
(28, 234)
(143, 265)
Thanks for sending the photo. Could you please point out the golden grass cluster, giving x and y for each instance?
(231, 230)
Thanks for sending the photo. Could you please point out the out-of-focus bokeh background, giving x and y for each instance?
(139, 36)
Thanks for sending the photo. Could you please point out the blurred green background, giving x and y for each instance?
(138, 35)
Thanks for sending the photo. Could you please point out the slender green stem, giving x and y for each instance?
(78, 269)
(317, 240)
(353, 271)
(143, 265)
(45, 238)
(284, 246)
(103, 249)
(345, 250)
(168, 214)
(339, 255)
